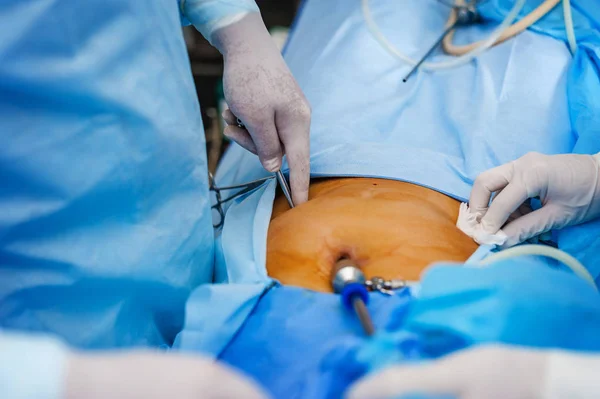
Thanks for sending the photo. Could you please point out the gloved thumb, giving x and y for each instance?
(487, 183)
(236, 133)
(241, 137)
(503, 206)
(258, 136)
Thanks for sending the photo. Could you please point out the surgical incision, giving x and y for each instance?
(387, 228)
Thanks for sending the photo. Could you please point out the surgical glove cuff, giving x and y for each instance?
(208, 16)
(32, 366)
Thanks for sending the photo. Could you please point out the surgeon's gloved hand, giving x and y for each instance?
(261, 91)
(151, 375)
(568, 186)
(493, 372)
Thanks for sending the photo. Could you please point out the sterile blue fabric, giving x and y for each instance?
(583, 86)
(583, 241)
(366, 122)
(520, 301)
(215, 313)
(439, 130)
(316, 357)
(210, 15)
(32, 366)
(105, 226)
(480, 253)
(302, 344)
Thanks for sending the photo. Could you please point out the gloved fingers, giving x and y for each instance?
(294, 134)
(521, 211)
(266, 140)
(503, 205)
(411, 380)
(152, 375)
(530, 225)
(229, 117)
(487, 183)
(240, 136)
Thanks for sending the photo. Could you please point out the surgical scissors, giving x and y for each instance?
(244, 189)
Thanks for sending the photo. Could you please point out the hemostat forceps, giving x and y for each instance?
(243, 189)
(285, 188)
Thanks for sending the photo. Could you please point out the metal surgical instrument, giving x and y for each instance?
(285, 188)
(387, 287)
(243, 189)
(466, 53)
(349, 282)
(466, 14)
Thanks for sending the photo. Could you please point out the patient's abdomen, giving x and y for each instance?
(388, 228)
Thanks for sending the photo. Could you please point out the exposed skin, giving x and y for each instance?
(388, 228)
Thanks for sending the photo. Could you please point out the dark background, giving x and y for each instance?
(207, 68)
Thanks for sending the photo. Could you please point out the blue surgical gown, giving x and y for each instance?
(105, 222)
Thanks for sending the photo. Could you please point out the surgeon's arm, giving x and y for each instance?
(42, 367)
(572, 375)
(153, 375)
(31, 366)
(259, 87)
(490, 372)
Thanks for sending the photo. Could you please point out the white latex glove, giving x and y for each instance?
(148, 375)
(261, 91)
(493, 372)
(568, 186)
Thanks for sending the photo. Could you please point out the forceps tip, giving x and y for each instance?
(285, 187)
